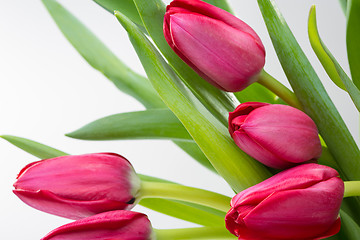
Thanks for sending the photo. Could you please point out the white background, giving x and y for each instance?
(47, 90)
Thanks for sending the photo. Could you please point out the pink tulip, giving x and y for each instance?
(218, 46)
(79, 186)
(299, 203)
(114, 225)
(279, 136)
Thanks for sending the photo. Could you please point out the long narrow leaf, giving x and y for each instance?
(34, 148)
(353, 39)
(332, 67)
(149, 124)
(101, 58)
(186, 211)
(220, 4)
(311, 93)
(237, 168)
(127, 7)
(216, 101)
(321, 50)
(256, 93)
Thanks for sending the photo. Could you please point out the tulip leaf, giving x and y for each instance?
(343, 4)
(256, 93)
(321, 50)
(218, 102)
(332, 67)
(149, 124)
(349, 228)
(311, 93)
(353, 39)
(127, 7)
(190, 212)
(101, 58)
(184, 211)
(34, 148)
(236, 167)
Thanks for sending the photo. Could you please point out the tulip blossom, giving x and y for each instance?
(278, 136)
(120, 224)
(218, 46)
(79, 186)
(299, 203)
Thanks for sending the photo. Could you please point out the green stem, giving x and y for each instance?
(352, 189)
(279, 89)
(194, 233)
(184, 193)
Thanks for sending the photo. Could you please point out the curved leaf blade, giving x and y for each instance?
(332, 67)
(237, 168)
(101, 58)
(34, 148)
(149, 124)
(127, 7)
(321, 50)
(311, 93)
(353, 39)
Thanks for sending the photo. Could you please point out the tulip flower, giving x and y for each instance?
(221, 48)
(299, 203)
(79, 186)
(120, 224)
(278, 136)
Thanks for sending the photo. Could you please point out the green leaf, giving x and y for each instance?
(195, 152)
(321, 50)
(353, 39)
(332, 67)
(127, 7)
(256, 93)
(101, 58)
(350, 230)
(149, 124)
(237, 168)
(311, 93)
(343, 4)
(34, 148)
(218, 102)
(183, 210)
(190, 212)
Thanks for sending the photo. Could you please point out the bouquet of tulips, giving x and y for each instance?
(292, 163)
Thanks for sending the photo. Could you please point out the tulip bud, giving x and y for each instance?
(79, 186)
(299, 203)
(120, 224)
(218, 46)
(278, 136)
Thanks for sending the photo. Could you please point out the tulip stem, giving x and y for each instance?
(194, 233)
(352, 189)
(184, 193)
(279, 89)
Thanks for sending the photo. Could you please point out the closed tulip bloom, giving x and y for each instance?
(79, 186)
(115, 225)
(299, 203)
(218, 46)
(278, 136)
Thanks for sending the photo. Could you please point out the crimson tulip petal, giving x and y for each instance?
(219, 47)
(301, 203)
(79, 186)
(121, 224)
(278, 136)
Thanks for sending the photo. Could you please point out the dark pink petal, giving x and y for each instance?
(115, 225)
